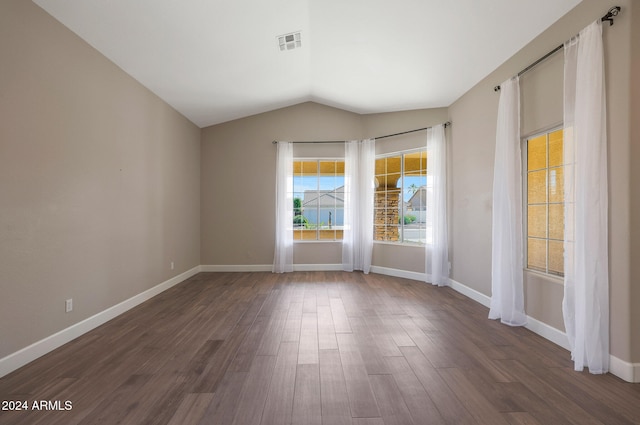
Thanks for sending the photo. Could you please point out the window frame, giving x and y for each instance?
(525, 189)
(316, 159)
(402, 154)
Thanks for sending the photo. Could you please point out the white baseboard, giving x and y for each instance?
(399, 273)
(317, 267)
(26, 355)
(554, 335)
(629, 372)
(236, 268)
(478, 297)
(268, 267)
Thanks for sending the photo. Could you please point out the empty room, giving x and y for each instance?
(319, 212)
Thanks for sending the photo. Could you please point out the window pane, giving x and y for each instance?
(537, 187)
(555, 148)
(423, 235)
(537, 254)
(310, 209)
(327, 168)
(318, 194)
(556, 221)
(388, 180)
(413, 232)
(556, 257)
(309, 235)
(393, 164)
(305, 168)
(304, 234)
(388, 165)
(415, 163)
(327, 234)
(392, 233)
(556, 184)
(545, 203)
(378, 232)
(327, 217)
(393, 202)
(400, 198)
(537, 221)
(416, 196)
(386, 214)
(537, 153)
(381, 166)
(389, 233)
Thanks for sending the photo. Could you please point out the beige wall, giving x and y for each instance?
(541, 110)
(238, 170)
(473, 139)
(634, 192)
(238, 181)
(99, 181)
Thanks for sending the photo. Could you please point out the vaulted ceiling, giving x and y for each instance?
(216, 61)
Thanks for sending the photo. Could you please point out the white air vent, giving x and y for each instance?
(289, 41)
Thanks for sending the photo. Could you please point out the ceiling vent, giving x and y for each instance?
(289, 41)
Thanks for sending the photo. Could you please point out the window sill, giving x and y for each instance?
(545, 276)
(409, 244)
(317, 241)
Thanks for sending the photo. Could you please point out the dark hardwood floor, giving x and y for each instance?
(313, 348)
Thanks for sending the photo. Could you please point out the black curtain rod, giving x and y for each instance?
(446, 124)
(606, 18)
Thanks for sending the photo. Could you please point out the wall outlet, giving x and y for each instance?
(172, 265)
(68, 305)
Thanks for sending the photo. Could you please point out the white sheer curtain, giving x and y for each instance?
(586, 298)
(437, 247)
(283, 256)
(357, 241)
(507, 294)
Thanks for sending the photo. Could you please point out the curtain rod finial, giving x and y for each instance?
(611, 14)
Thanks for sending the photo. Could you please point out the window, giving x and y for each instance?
(400, 197)
(318, 199)
(544, 203)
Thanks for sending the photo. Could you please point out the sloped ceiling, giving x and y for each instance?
(216, 61)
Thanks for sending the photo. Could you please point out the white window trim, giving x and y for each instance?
(317, 159)
(525, 216)
(402, 153)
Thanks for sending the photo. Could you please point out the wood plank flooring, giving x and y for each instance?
(313, 348)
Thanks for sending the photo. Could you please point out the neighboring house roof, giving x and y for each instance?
(418, 200)
(323, 198)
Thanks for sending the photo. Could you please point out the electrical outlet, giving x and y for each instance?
(172, 265)
(68, 305)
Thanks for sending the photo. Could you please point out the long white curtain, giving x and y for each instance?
(283, 256)
(437, 246)
(586, 298)
(507, 294)
(357, 241)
